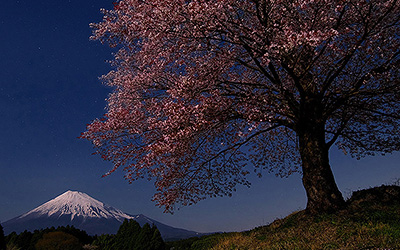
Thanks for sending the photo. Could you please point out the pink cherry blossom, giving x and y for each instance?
(206, 90)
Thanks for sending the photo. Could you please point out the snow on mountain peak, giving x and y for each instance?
(75, 203)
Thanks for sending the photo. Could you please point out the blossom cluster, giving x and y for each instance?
(202, 87)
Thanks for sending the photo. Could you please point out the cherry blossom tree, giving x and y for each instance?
(207, 91)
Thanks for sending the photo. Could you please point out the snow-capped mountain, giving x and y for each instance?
(77, 204)
(86, 213)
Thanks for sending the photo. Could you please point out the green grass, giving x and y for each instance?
(370, 221)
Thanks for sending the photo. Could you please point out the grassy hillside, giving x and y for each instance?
(370, 221)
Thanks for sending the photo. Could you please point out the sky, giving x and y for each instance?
(50, 90)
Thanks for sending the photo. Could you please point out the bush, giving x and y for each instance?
(58, 241)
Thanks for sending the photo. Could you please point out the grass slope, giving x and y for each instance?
(370, 221)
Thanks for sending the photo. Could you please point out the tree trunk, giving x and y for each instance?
(322, 192)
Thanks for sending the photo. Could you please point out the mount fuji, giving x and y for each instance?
(86, 213)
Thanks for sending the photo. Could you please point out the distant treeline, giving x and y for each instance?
(130, 236)
(50, 237)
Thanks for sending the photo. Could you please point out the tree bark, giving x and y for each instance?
(323, 194)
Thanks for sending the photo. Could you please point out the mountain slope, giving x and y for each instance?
(77, 204)
(86, 213)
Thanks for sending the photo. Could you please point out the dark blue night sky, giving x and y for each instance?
(49, 91)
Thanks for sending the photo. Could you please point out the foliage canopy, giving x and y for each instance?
(204, 88)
